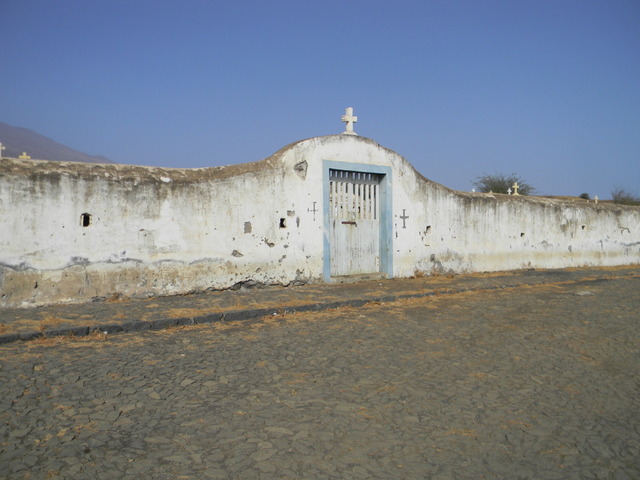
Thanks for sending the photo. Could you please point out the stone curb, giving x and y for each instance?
(251, 314)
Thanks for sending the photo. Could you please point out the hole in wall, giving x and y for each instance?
(85, 219)
(428, 230)
(283, 223)
(301, 169)
(583, 227)
(522, 234)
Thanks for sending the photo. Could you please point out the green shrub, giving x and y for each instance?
(623, 197)
(499, 183)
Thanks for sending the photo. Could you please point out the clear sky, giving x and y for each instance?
(549, 90)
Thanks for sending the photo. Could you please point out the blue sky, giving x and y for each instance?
(549, 90)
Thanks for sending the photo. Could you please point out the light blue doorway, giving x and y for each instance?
(357, 219)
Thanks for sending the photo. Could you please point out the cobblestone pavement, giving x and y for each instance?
(116, 315)
(530, 382)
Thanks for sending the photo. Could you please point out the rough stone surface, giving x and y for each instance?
(534, 381)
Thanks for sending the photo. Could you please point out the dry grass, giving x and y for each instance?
(364, 412)
(115, 297)
(517, 423)
(464, 433)
(352, 314)
(572, 391)
(48, 322)
(298, 377)
(187, 312)
(71, 340)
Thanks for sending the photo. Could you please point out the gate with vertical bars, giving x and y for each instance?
(354, 209)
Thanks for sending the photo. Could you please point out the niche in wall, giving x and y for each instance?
(85, 219)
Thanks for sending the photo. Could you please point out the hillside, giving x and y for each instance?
(17, 140)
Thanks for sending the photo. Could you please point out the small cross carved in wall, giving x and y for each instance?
(314, 210)
(404, 217)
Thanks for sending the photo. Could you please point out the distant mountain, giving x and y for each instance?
(17, 140)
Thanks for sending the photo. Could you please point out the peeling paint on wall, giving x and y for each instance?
(75, 232)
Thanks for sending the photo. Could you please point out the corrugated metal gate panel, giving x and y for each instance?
(354, 207)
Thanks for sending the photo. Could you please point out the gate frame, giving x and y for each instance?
(386, 213)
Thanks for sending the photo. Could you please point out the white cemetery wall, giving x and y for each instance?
(74, 232)
(456, 232)
(446, 231)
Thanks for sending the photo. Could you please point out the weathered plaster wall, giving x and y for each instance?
(465, 232)
(159, 231)
(152, 231)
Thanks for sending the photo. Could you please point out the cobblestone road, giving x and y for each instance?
(534, 382)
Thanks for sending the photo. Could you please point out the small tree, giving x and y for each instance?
(499, 183)
(623, 197)
(585, 196)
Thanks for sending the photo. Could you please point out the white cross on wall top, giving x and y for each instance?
(349, 119)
